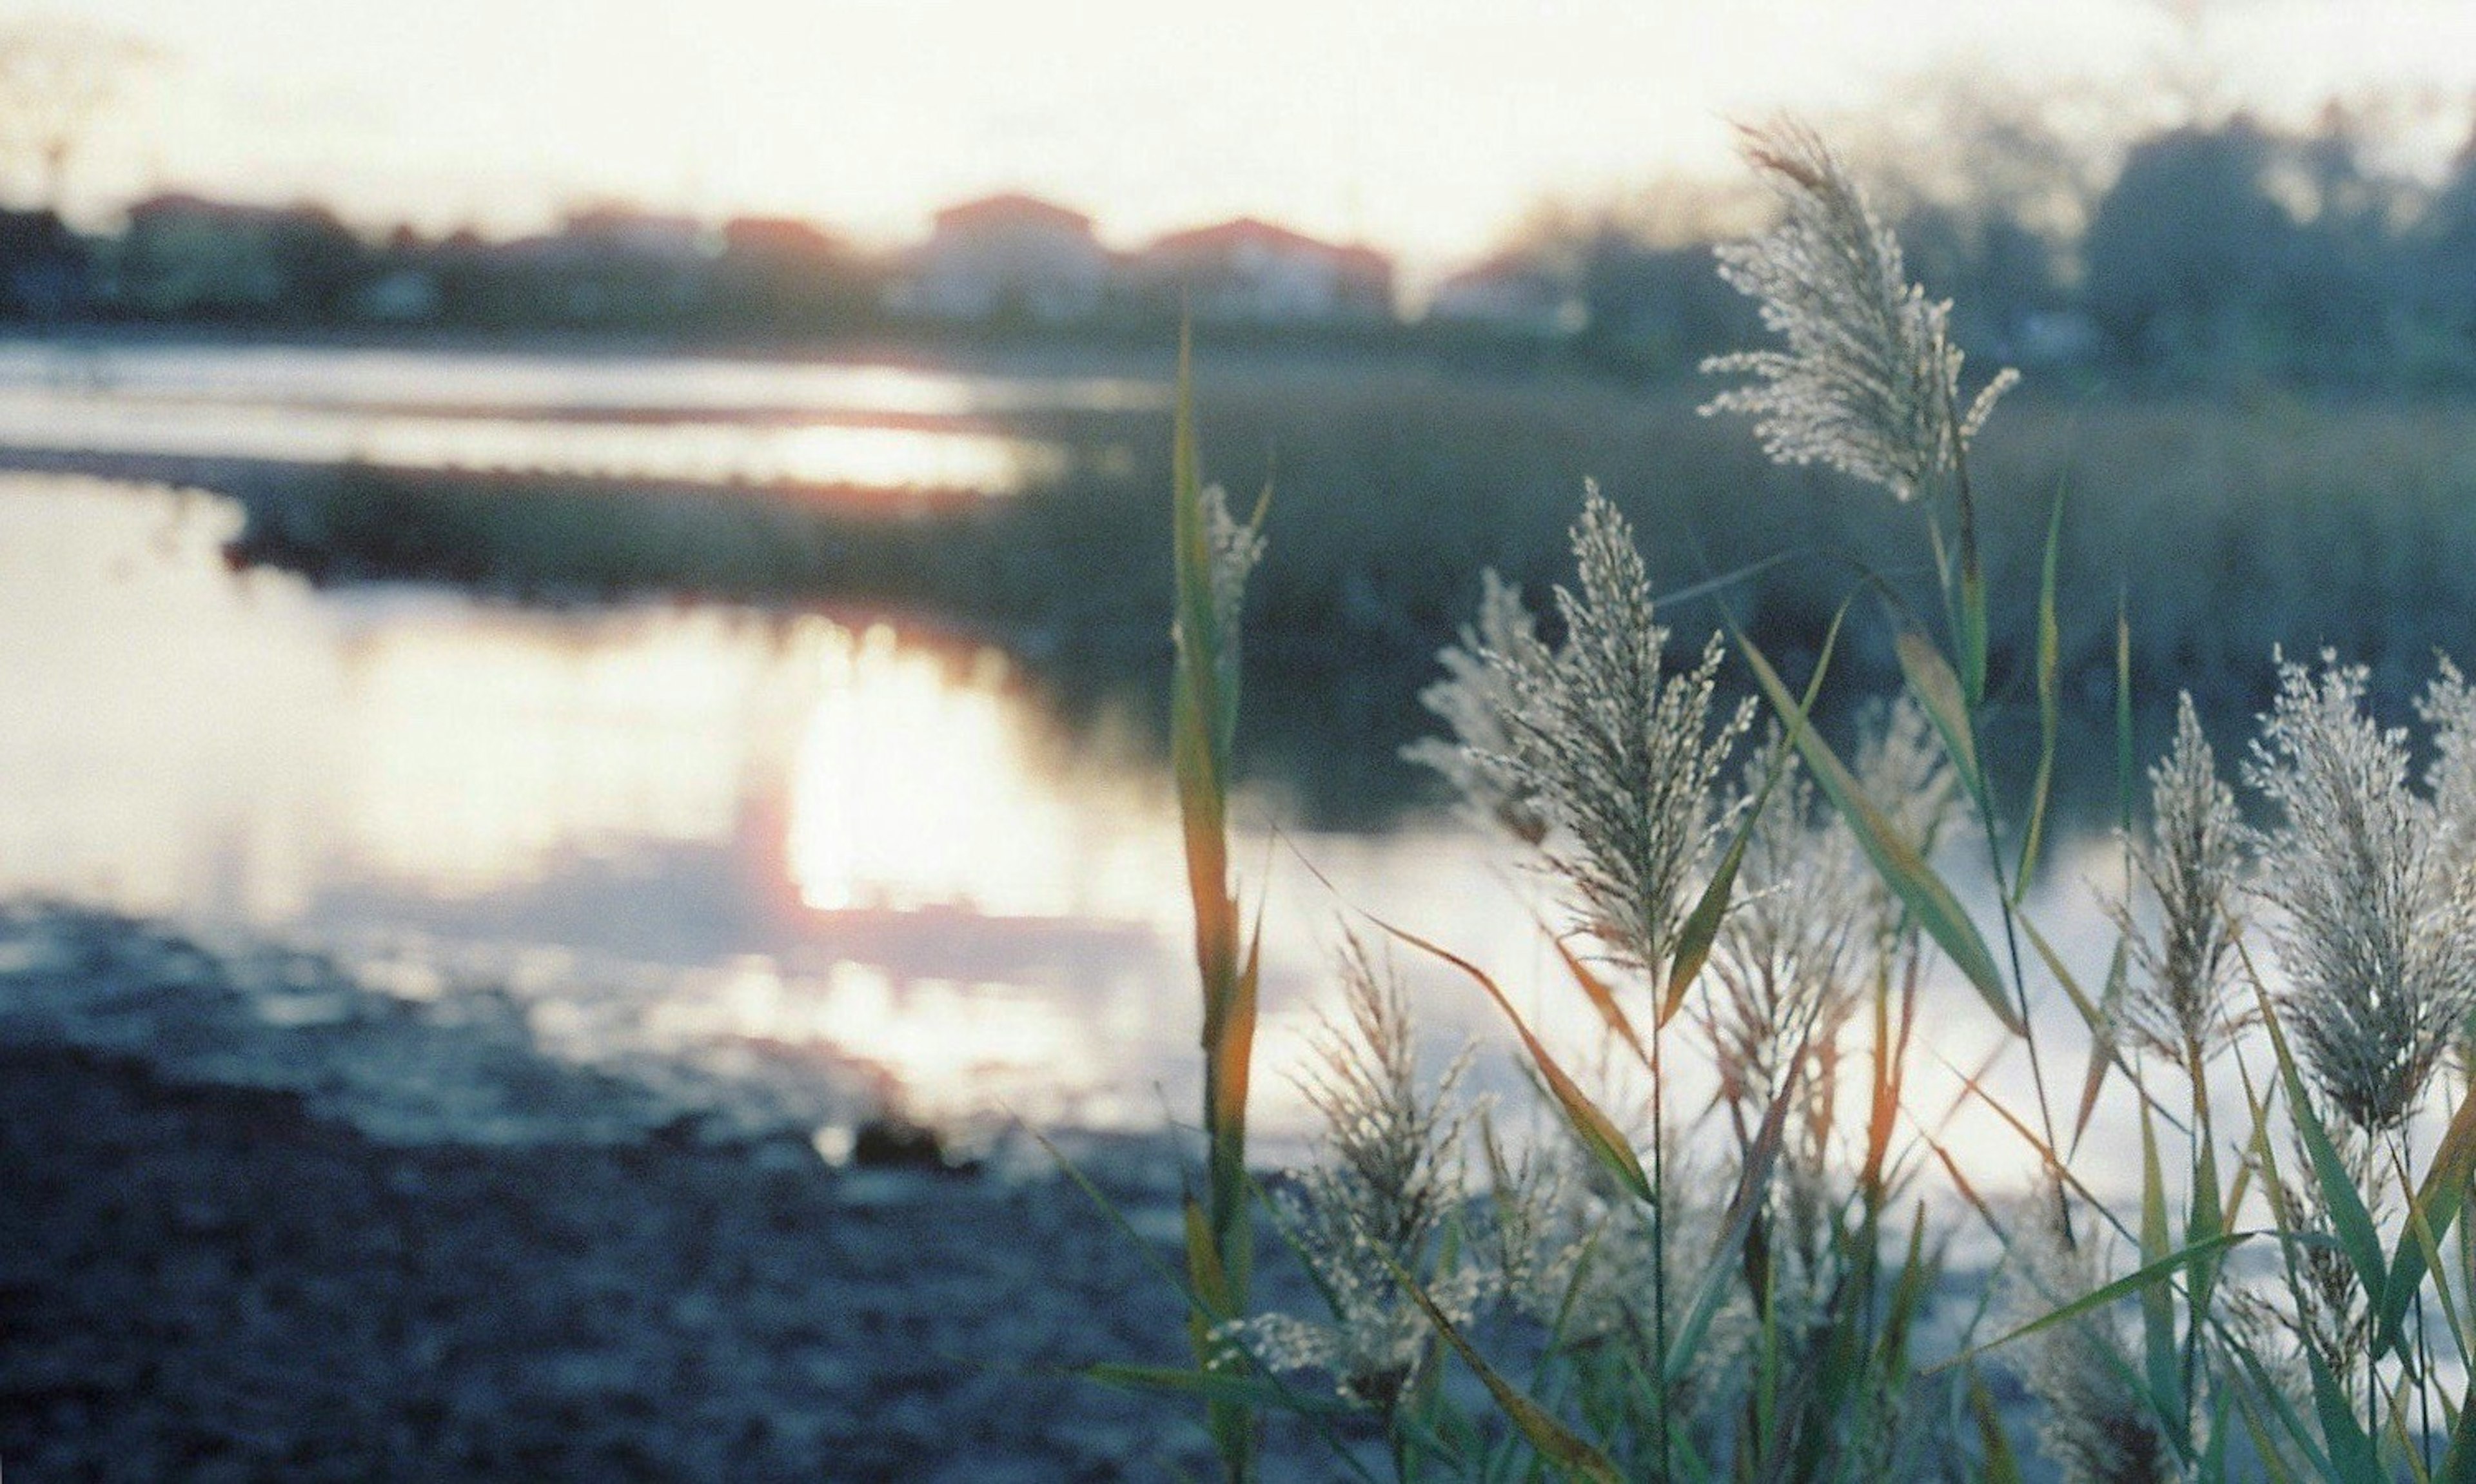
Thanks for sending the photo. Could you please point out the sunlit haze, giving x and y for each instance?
(1429, 126)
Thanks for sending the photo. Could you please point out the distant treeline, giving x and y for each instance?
(2229, 252)
(2223, 254)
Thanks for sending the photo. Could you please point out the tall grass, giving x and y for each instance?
(1742, 1285)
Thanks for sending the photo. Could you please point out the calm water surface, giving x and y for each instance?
(700, 832)
(706, 420)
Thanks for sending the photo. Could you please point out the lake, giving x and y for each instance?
(698, 833)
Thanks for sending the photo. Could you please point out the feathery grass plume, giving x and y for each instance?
(2448, 706)
(1236, 546)
(1533, 1259)
(1620, 757)
(1784, 964)
(2181, 1002)
(1474, 699)
(1869, 383)
(2095, 1427)
(1390, 1176)
(2376, 933)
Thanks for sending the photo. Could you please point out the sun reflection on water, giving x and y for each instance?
(917, 783)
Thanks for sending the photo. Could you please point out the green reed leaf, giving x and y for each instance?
(1993, 1443)
(2164, 1374)
(2131, 1283)
(2356, 1234)
(1701, 927)
(1557, 1443)
(2049, 706)
(1931, 680)
(1972, 626)
(1744, 1204)
(2458, 1463)
(2438, 1200)
(2352, 1459)
(1923, 892)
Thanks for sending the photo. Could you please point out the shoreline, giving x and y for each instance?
(225, 1265)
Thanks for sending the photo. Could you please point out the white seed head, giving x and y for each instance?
(2094, 1426)
(1869, 383)
(1390, 1173)
(1620, 759)
(1783, 959)
(1475, 699)
(2180, 1002)
(2376, 932)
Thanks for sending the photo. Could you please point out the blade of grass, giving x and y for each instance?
(2124, 1287)
(2438, 1200)
(1602, 997)
(1925, 893)
(1599, 1134)
(1938, 691)
(1204, 711)
(2158, 1302)
(1971, 637)
(1701, 926)
(2357, 1236)
(1555, 1440)
(2352, 1459)
(1993, 1444)
(2458, 1463)
(1753, 1183)
(2049, 708)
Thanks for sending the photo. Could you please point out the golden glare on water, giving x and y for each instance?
(917, 783)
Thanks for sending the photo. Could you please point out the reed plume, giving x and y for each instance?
(2375, 931)
(1869, 383)
(2180, 1001)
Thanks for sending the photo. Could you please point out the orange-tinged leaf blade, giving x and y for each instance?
(1603, 999)
(1555, 1442)
(1599, 1134)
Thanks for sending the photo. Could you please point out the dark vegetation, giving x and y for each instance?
(2231, 525)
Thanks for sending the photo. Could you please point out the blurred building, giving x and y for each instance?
(1512, 296)
(1248, 271)
(1007, 257)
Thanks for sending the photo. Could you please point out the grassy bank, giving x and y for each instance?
(2230, 526)
(1719, 1270)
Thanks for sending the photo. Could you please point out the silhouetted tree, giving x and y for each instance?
(2184, 251)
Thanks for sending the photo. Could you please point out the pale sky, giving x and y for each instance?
(1426, 126)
